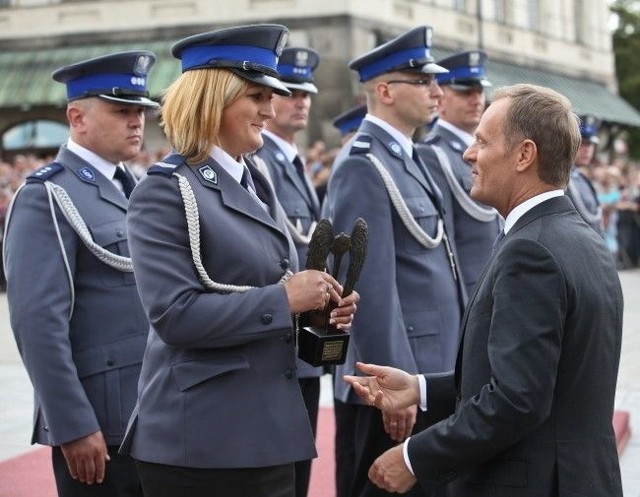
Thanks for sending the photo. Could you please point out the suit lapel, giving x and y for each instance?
(554, 205)
(305, 189)
(91, 176)
(234, 196)
(395, 150)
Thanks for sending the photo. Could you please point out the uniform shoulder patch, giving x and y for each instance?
(432, 139)
(167, 166)
(361, 145)
(45, 172)
(162, 169)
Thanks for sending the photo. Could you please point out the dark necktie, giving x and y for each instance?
(246, 180)
(125, 180)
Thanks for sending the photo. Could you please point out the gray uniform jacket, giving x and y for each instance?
(218, 385)
(585, 199)
(82, 342)
(473, 239)
(410, 307)
(301, 206)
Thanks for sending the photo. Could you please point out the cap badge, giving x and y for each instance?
(209, 174)
(474, 58)
(141, 67)
(281, 43)
(427, 37)
(301, 58)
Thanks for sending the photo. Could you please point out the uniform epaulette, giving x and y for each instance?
(167, 166)
(431, 139)
(361, 145)
(45, 172)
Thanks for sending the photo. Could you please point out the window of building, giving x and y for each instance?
(35, 136)
(578, 20)
(534, 15)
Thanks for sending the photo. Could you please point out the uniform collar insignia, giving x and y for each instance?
(395, 148)
(456, 145)
(208, 174)
(87, 174)
(280, 156)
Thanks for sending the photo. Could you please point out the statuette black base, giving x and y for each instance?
(322, 346)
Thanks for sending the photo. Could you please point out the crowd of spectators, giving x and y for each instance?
(617, 185)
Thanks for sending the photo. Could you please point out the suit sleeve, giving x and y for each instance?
(528, 304)
(378, 334)
(40, 300)
(181, 310)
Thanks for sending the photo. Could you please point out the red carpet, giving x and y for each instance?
(30, 474)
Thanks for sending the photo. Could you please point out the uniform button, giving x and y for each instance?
(284, 263)
(288, 374)
(409, 328)
(110, 362)
(266, 318)
(120, 233)
(459, 398)
(288, 337)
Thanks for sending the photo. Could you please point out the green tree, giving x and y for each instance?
(626, 47)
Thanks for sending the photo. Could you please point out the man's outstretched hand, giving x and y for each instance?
(389, 389)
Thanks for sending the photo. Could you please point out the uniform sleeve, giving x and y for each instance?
(181, 310)
(378, 334)
(40, 299)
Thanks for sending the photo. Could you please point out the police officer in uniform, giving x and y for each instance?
(580, 189)
(474, 226)
(411, 291)
(219, 408)
(347, 123)
(73, 302)
(296, 193)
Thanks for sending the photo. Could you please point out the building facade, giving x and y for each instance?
(564, 44)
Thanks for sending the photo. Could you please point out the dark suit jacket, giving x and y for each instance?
(536, 372)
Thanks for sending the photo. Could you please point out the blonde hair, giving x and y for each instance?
(192, 110)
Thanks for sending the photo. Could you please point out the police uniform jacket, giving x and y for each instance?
(537, 370)
(473, 239)
(410, 307)
(587, 204)
(300, 203)
(218, 386)
(82, 341)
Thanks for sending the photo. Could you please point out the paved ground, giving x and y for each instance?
(16, 394)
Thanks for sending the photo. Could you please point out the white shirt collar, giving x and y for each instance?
(526, 206)
(466, 138)
(290, 151)
(404, 141)
(228, 163)
(106, 168)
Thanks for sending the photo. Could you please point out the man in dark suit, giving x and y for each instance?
(73, 301)
(537, 366)
(580, 189)
(296, 194)
(473, 226)
(412, 298)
